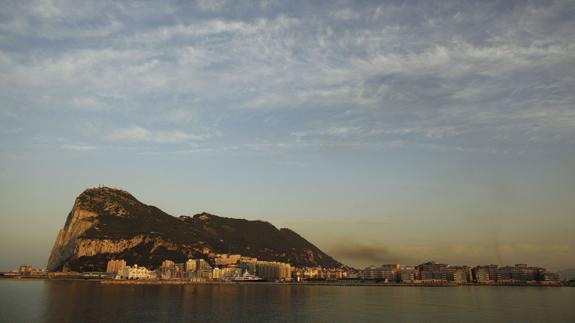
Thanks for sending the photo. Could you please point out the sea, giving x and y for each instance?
(90, 301)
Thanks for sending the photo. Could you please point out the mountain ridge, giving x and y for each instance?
(107, 223)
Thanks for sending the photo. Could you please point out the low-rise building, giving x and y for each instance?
(388, 272)
(481, 275)
(512, 274)
(227, 273)
(29, 271)
(432, 271)
(137, 272)
(459, 274)
(23, 269)
(549, 277)
(409, 274)
(335, 273)
(226, 259)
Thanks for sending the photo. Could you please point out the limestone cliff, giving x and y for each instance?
(108, 223)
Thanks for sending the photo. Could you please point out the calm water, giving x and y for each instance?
(66, 301)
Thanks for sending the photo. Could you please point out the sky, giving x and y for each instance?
(381, 131)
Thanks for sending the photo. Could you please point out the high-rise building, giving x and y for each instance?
(115, 266)
(248, 264)
(198, 269)
(273, 270)
(190, 265)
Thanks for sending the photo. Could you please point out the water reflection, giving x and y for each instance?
(169, 303)
(68, 301)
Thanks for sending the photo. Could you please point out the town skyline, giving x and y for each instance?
(225, 268)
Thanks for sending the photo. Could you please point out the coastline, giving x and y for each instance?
(334, 284)
(311, 283)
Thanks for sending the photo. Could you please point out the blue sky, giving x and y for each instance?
(381, 131)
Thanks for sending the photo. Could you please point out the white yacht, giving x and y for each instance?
(247, 277)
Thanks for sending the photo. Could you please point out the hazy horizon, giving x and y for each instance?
(381, 131)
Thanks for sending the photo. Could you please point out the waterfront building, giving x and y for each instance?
(136, 272)
(335, 273)
(227, 273)
(273, 270)
(318, 273)
(481, 275)
(352, 274)
(313, 273)
(178, 271)
(25, 269)
(172, 270)
(519, 273)
(459, 274)
(115, 266)
(370, 273)
(248, 264)
(217, 273)
(167, 269)
(190, 265)
(297, 274)
(388, 272)
(512, 274)
(198, 269)
(29, 271)
(203, 274)
(484, 274)
(432, 271)
(408, 274)
(549, 277)
(492, 272)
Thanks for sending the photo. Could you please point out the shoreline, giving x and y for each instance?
(334, 284)
(225, 283)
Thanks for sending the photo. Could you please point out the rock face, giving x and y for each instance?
(108, 223)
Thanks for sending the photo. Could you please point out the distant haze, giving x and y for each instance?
(384, 131)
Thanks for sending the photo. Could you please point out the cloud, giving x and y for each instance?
(345, 14)
(211, 5)
(136, 134)
(402, 74)
(79, 147)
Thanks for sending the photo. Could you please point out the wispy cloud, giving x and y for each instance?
(79, 147)
(136, 134)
